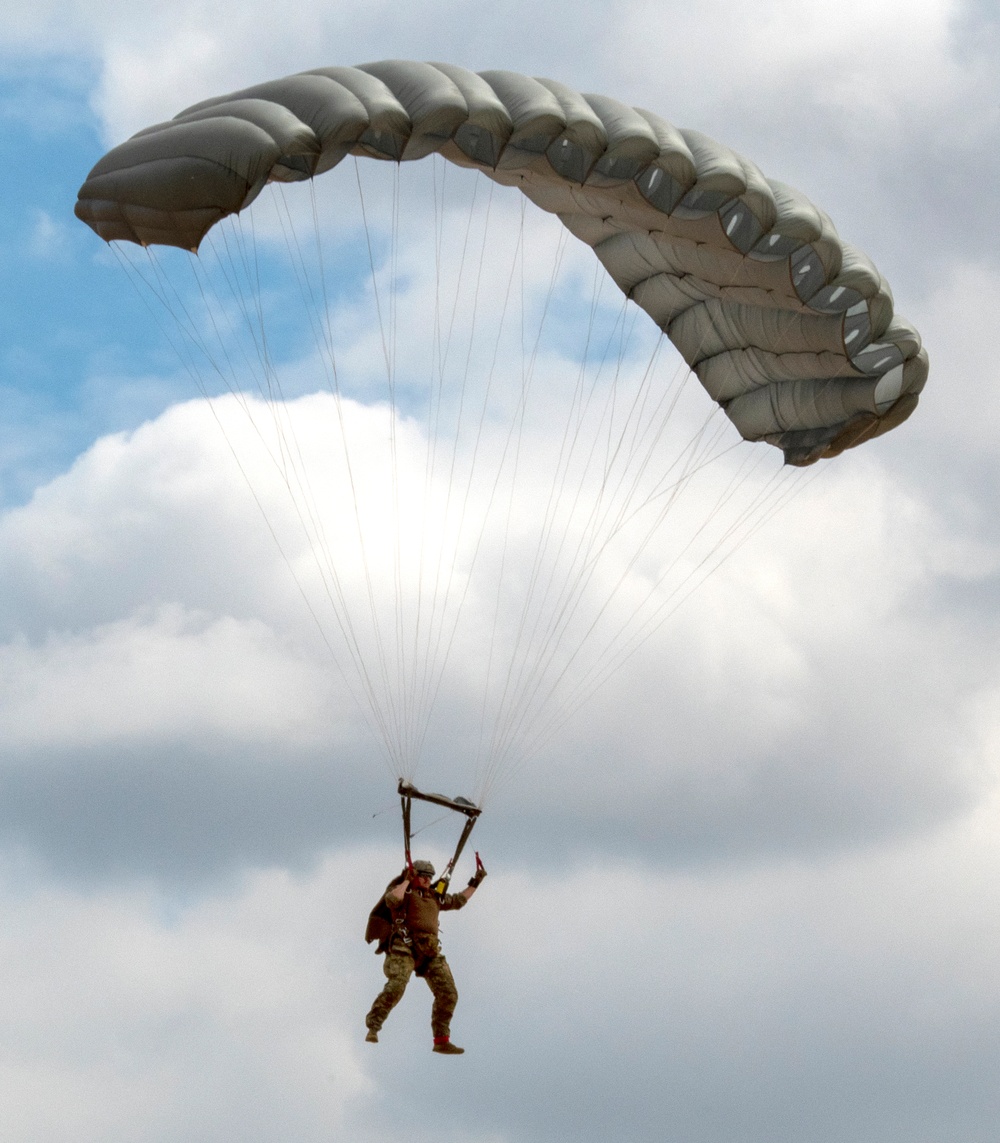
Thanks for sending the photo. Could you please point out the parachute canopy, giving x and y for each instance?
(788, 328)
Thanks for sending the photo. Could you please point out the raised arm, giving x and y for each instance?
(474, 881)
(398, 892)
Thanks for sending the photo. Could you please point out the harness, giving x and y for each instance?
(417, 948)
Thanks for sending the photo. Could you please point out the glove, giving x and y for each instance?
(477, 878)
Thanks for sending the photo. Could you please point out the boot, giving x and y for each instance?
(443, 1045)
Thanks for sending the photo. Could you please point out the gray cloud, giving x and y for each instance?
(825, 1000)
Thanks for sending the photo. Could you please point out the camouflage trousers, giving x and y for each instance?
(398, 968)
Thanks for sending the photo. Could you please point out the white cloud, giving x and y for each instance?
(847, 56)
(157, 676)
(883, 57)
(808, 690)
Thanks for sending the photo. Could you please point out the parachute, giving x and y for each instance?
(790, 330)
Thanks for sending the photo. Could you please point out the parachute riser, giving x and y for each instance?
(406, 833)
(407, 793)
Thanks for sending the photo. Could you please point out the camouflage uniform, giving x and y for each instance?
(414, 947)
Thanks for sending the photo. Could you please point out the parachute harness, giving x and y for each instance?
(407, 792)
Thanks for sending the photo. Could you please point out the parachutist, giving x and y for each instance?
(405, 922)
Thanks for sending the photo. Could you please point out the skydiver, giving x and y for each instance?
(406, 923)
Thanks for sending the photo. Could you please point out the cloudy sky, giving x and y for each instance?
(747, 892)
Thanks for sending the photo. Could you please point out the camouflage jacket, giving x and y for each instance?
(410, 925)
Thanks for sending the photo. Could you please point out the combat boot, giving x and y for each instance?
(443, 1045)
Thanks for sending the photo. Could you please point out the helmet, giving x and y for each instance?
(423, 868)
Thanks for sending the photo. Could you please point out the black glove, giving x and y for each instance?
(477, 878)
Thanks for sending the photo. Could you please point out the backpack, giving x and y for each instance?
(380, 921)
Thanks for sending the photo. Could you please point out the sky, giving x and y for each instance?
(746, 891)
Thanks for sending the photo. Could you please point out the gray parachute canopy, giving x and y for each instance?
(787, 327)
